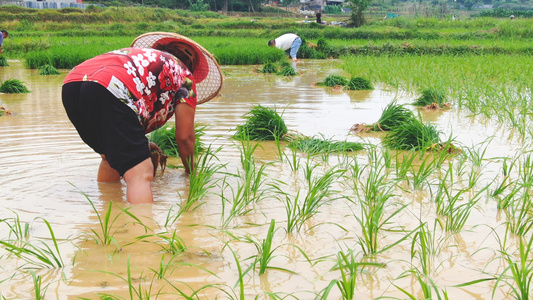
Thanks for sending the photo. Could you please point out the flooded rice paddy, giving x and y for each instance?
(49, 174)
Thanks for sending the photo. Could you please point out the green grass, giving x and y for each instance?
(262, 124)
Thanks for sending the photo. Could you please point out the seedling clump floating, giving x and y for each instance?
(432, 99)
(13, 86)
(413, 135)
(3, 62)
(262, 124)
(321, 145)
(287, 71)
(269, 68)
(360, 83)
(48, 70)
(356, 83)
(392, 116)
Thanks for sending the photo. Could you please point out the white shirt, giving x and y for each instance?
(284, 42)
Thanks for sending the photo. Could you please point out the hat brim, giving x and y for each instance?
(206, 71)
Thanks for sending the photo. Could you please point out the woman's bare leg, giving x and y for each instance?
(106, 173)
(139, 183)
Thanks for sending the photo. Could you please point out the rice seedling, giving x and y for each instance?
(431, 96)
(3, 61)
(106, 236)
(455, 214)
(39, 255)
(318, 193)
(171, 243)
(287, 71)
(520, 267)
(48, 70)
(265, 251)
(392, 116)
(38, 289)
(13, 86)
(20, 230)
(321, 145)
(349, 268)
(269, 68)
(403, 163)
(201, 180)
(359, 83)
(333, 81)
(427, 286)
(262, 124)
(519, 218)
(250, 186)
(413, 135)
(422, 172)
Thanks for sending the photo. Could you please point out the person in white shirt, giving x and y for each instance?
(287, 42)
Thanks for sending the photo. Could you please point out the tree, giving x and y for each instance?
(358, 6)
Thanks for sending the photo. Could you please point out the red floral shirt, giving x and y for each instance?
(146, 80)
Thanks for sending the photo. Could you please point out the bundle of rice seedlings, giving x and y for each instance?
(359, 83)
(165, 139)
(262, 124)
(333, 80)
(413, 135)
(392, 116)
(431, 97)
(269, 68)
(321, 145)
(48, 70)
(3, 61)
(13, 86)
(287, 71)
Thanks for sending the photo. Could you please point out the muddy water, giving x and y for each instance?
(49, 173)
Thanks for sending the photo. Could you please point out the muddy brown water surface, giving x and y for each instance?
(46, 171)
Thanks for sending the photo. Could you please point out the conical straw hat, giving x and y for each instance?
(206, 72)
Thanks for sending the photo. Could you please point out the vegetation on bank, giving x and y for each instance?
(49, 36)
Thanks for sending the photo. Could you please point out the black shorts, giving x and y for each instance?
(106, 124)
